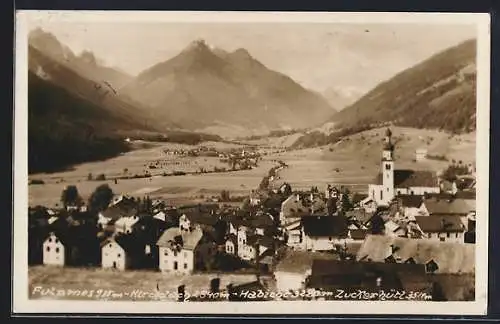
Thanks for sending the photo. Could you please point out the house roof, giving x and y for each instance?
(451, 257)
(119, 210)
(411, 178)
(232, 237)
(202, 218)
(360, 215)
(436, 206)
(126, 221)
(410, 201)
(304, 206)
(127, 242)
(437, 224)
(295, 261)
(325, 226)
(189, 239)
(391, 226)
(263, 240)
(358, 197)
(359, 234)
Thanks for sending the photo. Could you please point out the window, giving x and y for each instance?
(330, 238)
(110, 245)
(175, 253)
(381, 195)
(442, 239)
(448, 235)
(57, 250)
(387, 167)
(119, 255)
(48, 249)
(429, 235)
(50, 239)
(57, 241)
(185, 265)
(456, 235)
(175, 265)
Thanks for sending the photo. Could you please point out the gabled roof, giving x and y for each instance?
(295, 261)
(412, 178)
(448, 207)
(127, 242)
(119, 210)
(410, 201)
(304, 206)
(189, 239)
(202, 218)
(450, 257)
(325, 226)
(360, 215)
(358, 197)
(437, 224)
(359, 234)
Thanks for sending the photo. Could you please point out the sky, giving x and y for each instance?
(342, 56)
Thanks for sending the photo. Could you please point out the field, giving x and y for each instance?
(355, 161)
(136, 162)
(122, 284)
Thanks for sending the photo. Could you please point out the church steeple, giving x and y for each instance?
(387, 192)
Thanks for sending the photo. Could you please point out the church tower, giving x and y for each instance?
(387, 193)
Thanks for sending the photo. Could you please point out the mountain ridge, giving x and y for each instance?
(202, 86)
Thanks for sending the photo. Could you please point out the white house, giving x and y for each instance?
(53, 251)
(448, 228)
(295, 235)
(182, 251)
(420, 154)
(113, 255)
(391, 182)
(322, 233)
(231, 245)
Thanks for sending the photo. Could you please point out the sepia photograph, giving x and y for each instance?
(251, 162)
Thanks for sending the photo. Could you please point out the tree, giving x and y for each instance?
(70, 196)
(377, 224)
(224, 195)
(100, 198)
(346, 201)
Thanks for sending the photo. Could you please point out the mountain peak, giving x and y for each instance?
(241, 52)
(198, 45)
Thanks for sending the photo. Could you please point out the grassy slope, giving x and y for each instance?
(437, 93)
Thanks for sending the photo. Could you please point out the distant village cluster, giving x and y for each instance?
(410, 232)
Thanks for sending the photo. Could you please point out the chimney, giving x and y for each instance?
(215, 285)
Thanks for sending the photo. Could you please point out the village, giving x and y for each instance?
(412, 232)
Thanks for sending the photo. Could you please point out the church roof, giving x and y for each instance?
(411, 178)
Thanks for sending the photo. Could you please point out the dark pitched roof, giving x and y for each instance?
(411, 178)
(301, 261)
(435, 224)
(120, 210)
(202, 218)
(357, 197)
(203, 208)
(359, 234)
(325, 226)
(360, 215)
(127, 242)
(304, 206)
(410, 201)
(263, 240)
(447, 207)
(467, 195)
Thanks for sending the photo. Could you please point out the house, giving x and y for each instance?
(298, 205)
(359, 216)
(184, 251)
(231, 246)
(394, 229)
(294, 267)
(330, 276)
(450, 206)
(54, 252)
(411, 205)
(122, 208)
(450, 257)
(449, 228)
(294, 235)
(126, 224)
(255, 198)
(321, 233)
(391, 182)
(73, 246)
(121, 252)
(368, 204)
(246, 251)
(420, 154)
